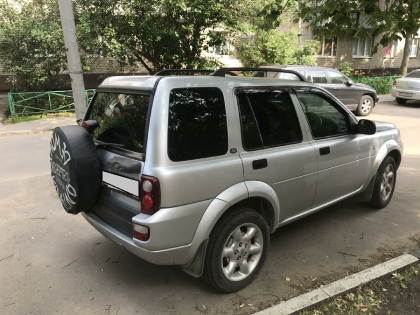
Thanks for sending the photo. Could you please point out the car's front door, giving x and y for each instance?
(275, 150)
(343, 156)
(337, 85)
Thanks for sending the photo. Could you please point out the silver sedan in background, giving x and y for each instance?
(407, 88)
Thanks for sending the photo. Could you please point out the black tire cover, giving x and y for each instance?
(75, 168)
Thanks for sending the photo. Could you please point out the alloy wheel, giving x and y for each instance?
(242, 252)
(387, 182)
(366, 106)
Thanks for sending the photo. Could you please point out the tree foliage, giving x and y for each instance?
(162, 34)
(32, 47)
(274, 47)
(392, 19)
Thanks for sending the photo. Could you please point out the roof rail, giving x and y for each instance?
(182, 71)
(223, 71)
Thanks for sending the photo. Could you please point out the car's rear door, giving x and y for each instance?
(120, 137)
(275, 150)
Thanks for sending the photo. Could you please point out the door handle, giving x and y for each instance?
(259, 164)
(336, 88)
(324, 151)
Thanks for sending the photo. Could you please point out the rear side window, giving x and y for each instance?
(316, 76)
(268, 119)
(197, 126)
(121, 119)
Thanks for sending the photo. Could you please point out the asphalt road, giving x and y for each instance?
(55, 263)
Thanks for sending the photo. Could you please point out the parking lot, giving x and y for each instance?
(55, 263)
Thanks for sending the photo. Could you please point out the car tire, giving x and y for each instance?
(365, 106)
(229, 266)
(400, 100)
(385, 180)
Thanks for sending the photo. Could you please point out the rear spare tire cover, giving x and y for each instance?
(75, 168)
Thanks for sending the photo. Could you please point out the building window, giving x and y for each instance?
(414, 48)
(390, 49)
(362, 47)
(328, 47)
(219, 43)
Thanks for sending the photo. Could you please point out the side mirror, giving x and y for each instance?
(366, 127)
(349, 83)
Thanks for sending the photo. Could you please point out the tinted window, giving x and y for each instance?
(121, 118)
(324, 119)
(415, 74)
(337, 78)
(274, 114)
(197, 126)
(288, 76)
(251, 139)
(316, 76)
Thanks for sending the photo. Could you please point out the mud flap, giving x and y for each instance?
(366, 195)
(196, 265)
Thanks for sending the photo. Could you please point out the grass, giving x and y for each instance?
(372, 299)
(26, 118)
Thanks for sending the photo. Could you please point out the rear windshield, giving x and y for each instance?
(415, 74)
(121, 119)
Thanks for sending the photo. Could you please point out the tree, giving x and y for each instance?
(31, 43)
(273, 47)
(393, 19)
(163, 34)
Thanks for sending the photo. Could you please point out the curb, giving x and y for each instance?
(18, 132)
(339, 287)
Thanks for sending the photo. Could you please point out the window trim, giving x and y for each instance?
(258, 89)
(333, 103)
(411, 47)
(227, 125)
(333, 48)
(364, 48)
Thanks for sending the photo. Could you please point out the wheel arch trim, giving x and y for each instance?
(229, 198)
(388, 147)
(222, 203)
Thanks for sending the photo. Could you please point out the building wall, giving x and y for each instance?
(377, 63)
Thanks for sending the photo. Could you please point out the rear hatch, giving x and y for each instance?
(412, 84)
(120, 139)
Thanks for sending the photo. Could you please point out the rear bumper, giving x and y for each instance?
(170, 256)
(405, 94)
(171, 234)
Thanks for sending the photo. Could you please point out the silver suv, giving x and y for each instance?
(197, 171)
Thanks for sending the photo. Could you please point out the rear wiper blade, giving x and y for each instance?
(108, 144)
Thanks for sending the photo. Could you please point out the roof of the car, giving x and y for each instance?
(297, 67)
(148, 82)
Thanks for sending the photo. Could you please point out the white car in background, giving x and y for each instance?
(407, 88)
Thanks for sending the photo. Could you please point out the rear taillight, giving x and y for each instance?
(395, 83)
(141, 232)
(90, 125)
(149, 194)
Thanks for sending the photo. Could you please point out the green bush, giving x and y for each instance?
(274, 47)
(382, 85)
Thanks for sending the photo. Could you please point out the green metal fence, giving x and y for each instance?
(30, 103)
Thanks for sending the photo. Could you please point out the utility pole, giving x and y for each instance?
(73, 58)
